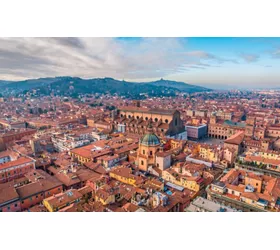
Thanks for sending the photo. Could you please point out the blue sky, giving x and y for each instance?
(245, 62)
(220, 62)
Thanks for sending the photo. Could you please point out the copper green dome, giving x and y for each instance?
(150, 139)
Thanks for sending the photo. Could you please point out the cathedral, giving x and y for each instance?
(165, 123)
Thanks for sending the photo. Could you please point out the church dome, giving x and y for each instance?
(150, 140)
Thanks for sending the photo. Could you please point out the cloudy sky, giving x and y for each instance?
(250, 62)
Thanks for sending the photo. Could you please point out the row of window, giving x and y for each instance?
(38, 196)
(146, 118)
(151, 152)
(20, 170)
(9, 208)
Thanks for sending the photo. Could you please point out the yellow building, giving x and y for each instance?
(254, 180)
(59, 201)
(189, 182)
(81, 154)
(105, 196)
(124, 175)
(208, 153)
(270, 155)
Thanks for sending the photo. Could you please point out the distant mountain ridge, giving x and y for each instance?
(67, 85)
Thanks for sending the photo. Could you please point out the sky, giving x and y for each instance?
(210, 62)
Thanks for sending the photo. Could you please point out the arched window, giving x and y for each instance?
(146, 118)
(137, 117)
(166, 120)
(143, 151)
(151, 152)
(129, 116)
(121, 115)
(142, 162)
(156, 119)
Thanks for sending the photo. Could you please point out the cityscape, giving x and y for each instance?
(139, 125)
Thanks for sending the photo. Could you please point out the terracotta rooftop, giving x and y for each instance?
(236, 138)
(19, 161)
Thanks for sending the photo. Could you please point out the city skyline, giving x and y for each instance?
(210, 62)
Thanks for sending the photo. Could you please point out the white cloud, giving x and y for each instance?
(22, 58)
(276, 54)
(249, 57)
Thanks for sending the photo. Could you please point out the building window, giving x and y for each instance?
(142, 162)
(156, 119)
(30, 198)
(146, 118)
(22, 202)
(166, 120)
(137, 117)
(16, 205)
(143, 151)
(9, 208)
(151, 152)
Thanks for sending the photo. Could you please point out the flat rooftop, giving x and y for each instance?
(208, 205)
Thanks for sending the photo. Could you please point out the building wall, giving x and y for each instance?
(15, 172)
(257, 184)
(35, 199)
(175, 124)
(17, 136)
(11, 207)
(221, 131)
(146, 116)
(146, 156)
(122, 179)
(237, 148)
(163, 162)
(5, 159)
(181, 181)
(273, 133)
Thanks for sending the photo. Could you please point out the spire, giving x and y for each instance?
(150, 127)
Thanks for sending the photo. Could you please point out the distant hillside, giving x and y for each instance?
(184, 87)
(75, 85)
(2, 83)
